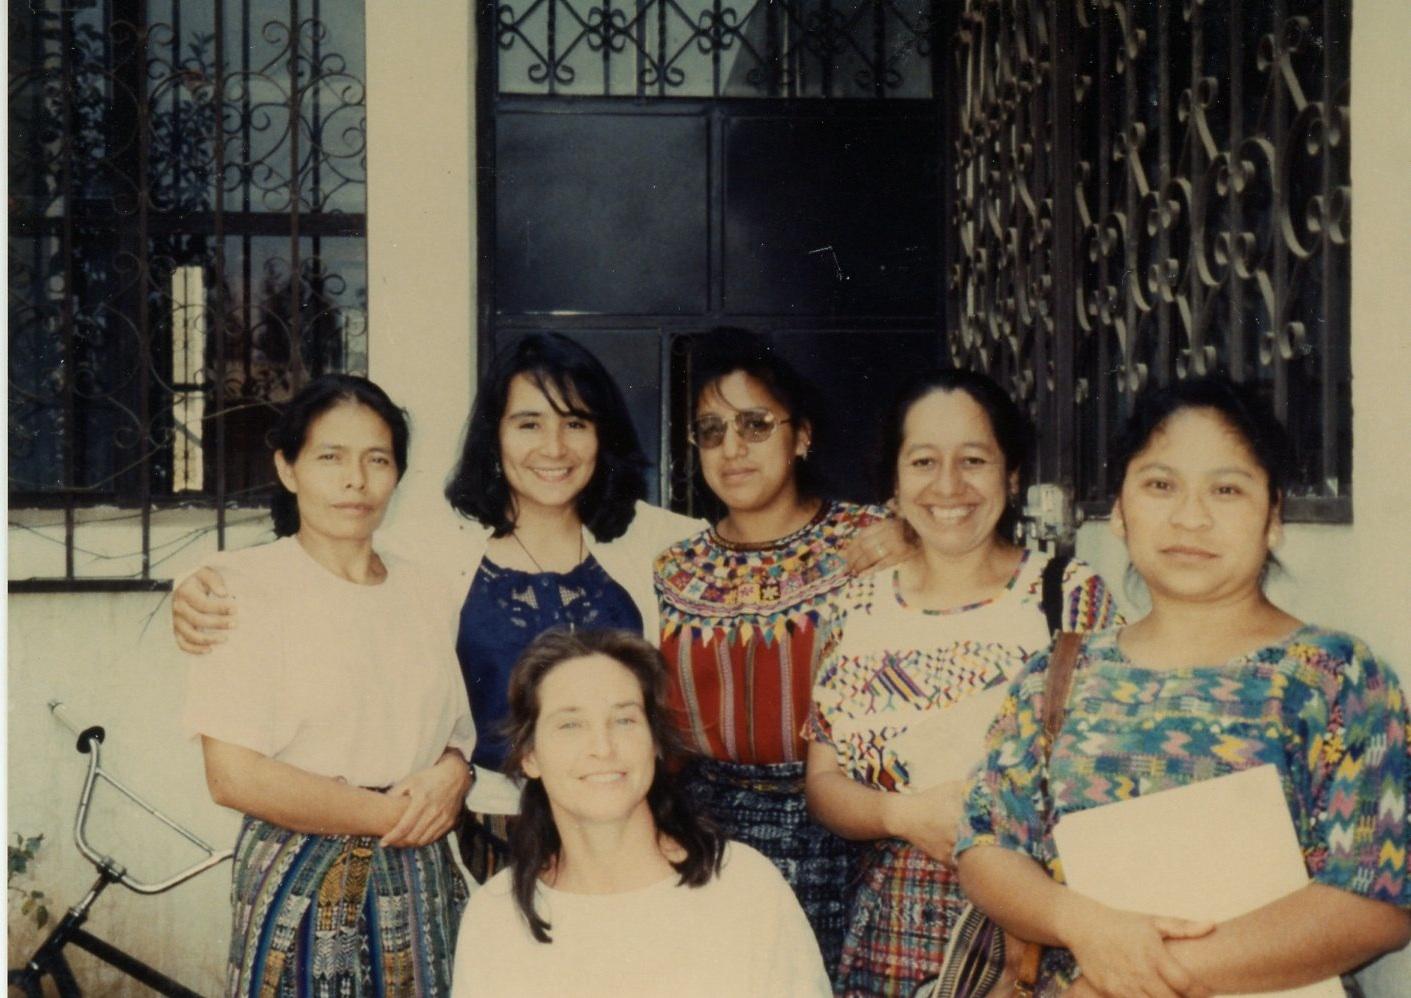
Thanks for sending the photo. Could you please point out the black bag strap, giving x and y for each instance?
(1051, 595)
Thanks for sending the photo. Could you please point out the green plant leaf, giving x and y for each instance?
(41, 917)
(21, 854)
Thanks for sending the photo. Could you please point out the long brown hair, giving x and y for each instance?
(534, 838)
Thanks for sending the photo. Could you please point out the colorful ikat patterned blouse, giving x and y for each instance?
(1317, 705)
(743, 626)
(894, 667)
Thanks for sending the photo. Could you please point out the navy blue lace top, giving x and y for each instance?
(504, 610)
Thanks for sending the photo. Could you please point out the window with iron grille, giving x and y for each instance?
(1143, 192)
(709, 48)
(187, 244)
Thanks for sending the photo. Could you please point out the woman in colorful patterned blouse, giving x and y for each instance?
(746, 607)
(920, 665)
(1216, 679)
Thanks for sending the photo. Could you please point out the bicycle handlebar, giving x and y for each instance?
(90, 740)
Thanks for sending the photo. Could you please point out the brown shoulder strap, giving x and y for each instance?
(1058, 680)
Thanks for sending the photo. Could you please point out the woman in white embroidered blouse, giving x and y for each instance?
(903, 698)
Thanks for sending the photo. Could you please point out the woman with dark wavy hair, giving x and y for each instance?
(552, 531)
(616, 884)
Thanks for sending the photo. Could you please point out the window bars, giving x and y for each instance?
(706, 48)
(1148, 191)
(187, 244)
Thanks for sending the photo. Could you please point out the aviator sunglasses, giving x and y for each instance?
(753, 425)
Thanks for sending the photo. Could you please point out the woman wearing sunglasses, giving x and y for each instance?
(746, 608)
(551, 531)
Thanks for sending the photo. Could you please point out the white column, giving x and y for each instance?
(421, 227)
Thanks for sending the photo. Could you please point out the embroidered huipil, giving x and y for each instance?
(894, 665)
(743, 626)
(895, 669)
(1317, 705)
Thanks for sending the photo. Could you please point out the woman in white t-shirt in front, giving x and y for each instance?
(616, 886)
(336, 720)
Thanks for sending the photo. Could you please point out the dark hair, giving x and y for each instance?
(310, 402)
(566, 373)
(1242, 410)
(534, 838)
(1007, 422)
(726, 350)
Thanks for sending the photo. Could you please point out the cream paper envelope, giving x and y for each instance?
(947, 743)
(1208, 851)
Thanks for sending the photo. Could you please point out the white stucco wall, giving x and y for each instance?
(110, 657)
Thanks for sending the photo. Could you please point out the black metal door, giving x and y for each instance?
(780, 188)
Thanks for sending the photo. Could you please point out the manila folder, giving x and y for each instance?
(1210, 850)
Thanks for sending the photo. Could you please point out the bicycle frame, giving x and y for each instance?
(48, 960)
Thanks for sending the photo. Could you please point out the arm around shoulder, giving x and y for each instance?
(660, 528)
(1089, 603)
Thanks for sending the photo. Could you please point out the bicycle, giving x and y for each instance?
(48, 960)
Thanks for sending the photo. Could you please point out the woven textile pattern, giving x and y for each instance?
(1317, 705)
(742, 630)
(341, 916)
(504, 610)
(893, 667)
(763, 807)
(904, 908)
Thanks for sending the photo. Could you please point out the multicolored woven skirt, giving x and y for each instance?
(763, 806)
(331, 915)
(484, 841)
(905, 906)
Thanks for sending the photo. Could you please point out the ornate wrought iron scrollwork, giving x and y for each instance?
(1210, 211)
(179, 186)
(705, 48)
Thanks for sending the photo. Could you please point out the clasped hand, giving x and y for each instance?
(434, 799)
(1123, 954)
